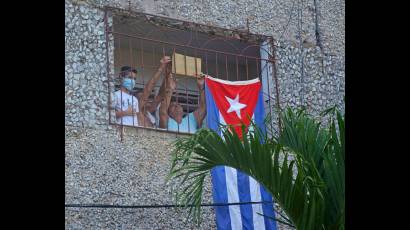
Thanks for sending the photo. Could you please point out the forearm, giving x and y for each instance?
(150, 86)
(121, 113)
(165, 86)
(163, 110)
(202, 104)
(161, 94)
(202, 107)
(141, 119)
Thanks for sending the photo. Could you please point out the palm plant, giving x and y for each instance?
(302, 167)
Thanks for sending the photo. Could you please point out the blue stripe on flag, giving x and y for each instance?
(212, 118)
(245, 196)
(268, 209)
(259, 113)
(223, 220)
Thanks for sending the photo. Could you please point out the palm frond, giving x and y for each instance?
(303, 167)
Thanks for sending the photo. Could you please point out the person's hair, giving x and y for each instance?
(124, 74)
(126, 70)
(138, 92)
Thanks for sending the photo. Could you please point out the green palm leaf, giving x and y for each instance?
(303, 167)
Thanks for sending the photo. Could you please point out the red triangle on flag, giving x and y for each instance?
(236, 101)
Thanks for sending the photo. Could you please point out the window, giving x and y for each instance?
(141, 40)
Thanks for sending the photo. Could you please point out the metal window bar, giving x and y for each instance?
(275, 78)
(186, 46)
(158, 92)
(132, 98)
(245, 67)
(107, 48)
(121, 127)
(186, 86)
(237, 69)
(185, 66)
(216, 64)
(269, 92)
(146, 17)
(226, 67)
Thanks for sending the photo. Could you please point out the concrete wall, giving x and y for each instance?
(102, 169)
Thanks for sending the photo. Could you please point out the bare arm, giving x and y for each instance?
(163, 109)
(200, 113)
(151, 83)
(123, 113)
(161, 94)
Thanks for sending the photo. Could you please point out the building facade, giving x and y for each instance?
(108, 165)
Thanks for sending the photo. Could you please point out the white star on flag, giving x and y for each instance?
(235, 105)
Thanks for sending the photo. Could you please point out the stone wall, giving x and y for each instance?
(322, 83)
(102, 169)
(86, 94)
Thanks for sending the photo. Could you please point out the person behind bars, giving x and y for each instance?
(172, 116)
(148, 106)
(125, 104)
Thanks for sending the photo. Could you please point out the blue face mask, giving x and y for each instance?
(128, 83)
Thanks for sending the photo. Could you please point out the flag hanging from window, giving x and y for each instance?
(230, 102)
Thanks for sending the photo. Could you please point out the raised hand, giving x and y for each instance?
(130, 111)
(200, 82)
(165, 60)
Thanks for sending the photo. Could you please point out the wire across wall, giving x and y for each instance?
(160, 205)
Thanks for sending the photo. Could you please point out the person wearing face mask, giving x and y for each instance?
(125, 104)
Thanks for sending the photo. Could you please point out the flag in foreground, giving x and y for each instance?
(230, 102)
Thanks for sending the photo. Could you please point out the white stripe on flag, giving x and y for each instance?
(232, 188)
(233, 197)
(258, 220)
(247, 82)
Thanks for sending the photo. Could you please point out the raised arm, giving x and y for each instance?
(170, 86)
(160, 96)
(151, 83)
(200, 112)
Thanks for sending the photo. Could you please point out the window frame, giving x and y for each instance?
(109, 31)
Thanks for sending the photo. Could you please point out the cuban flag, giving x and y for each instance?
(234, 102)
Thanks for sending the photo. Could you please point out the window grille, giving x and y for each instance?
(141, 40)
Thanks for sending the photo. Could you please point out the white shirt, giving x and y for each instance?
(153, 117)
(121, 101)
